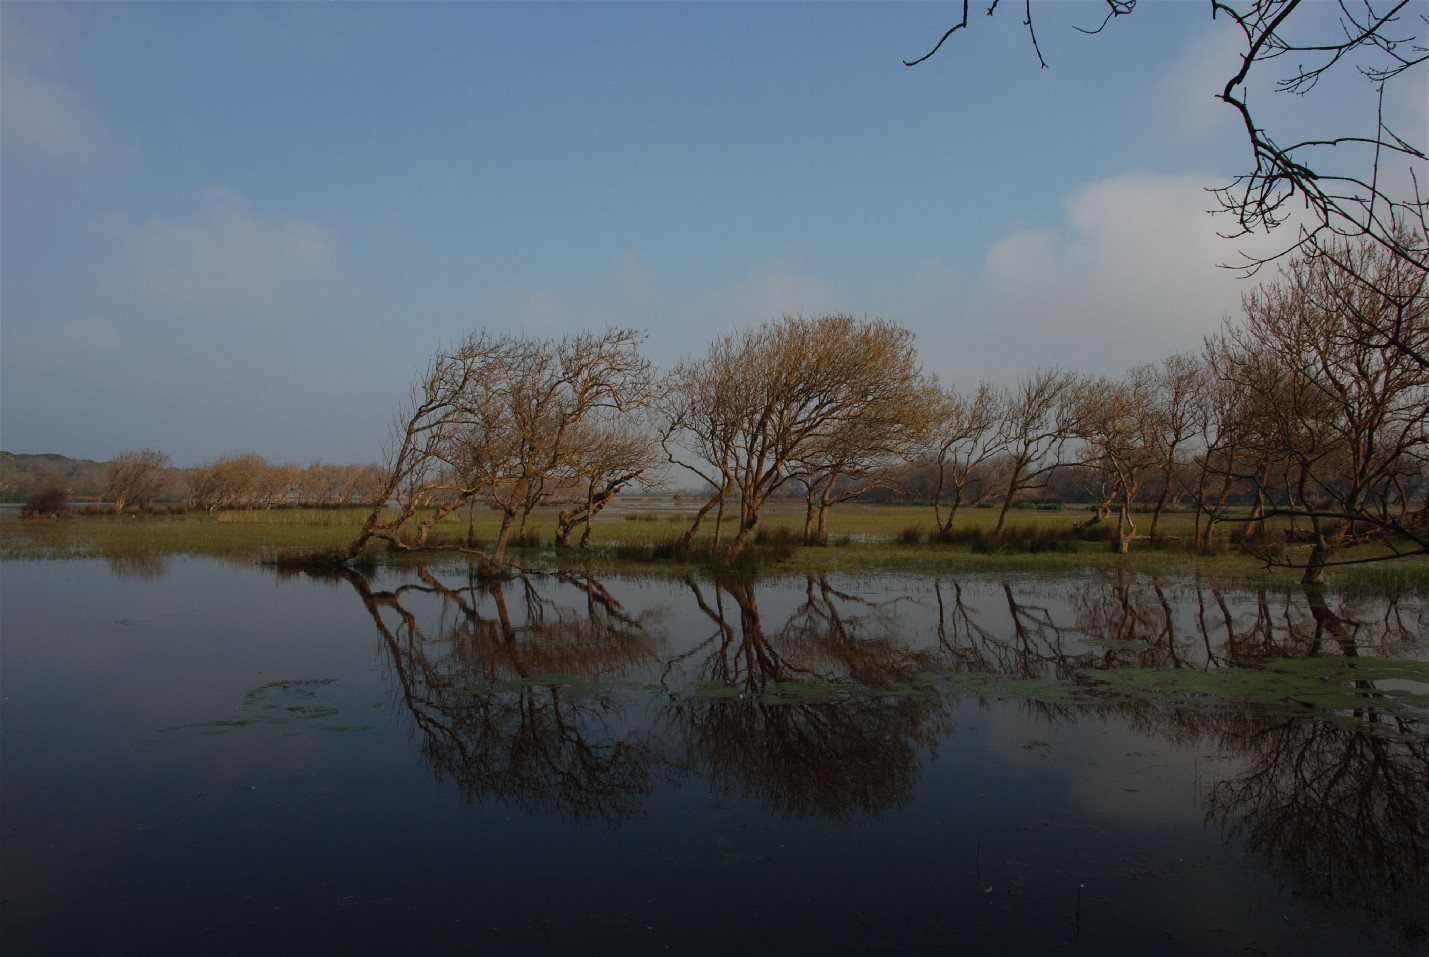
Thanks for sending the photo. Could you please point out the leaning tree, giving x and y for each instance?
(502, 419)
(786, 400)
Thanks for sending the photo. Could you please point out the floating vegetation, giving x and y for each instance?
(281, 703)
(1343, 686)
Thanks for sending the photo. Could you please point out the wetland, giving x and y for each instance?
(206, 755)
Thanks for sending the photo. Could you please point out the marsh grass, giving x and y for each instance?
(862, 538)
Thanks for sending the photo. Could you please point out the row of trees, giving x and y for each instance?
(144, 477)
(1305, 407)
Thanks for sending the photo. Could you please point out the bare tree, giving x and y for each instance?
(518, 428)
(495, 420)
(1176, 384)
(139, 477)
(413, 473)
(764, 404)
(1349, 420)
(245, 481)
(1353, 183)
(1114, 422)
(604, 459)
(867, 451)
(1381, 296)
(1034, 421)
(964, 440)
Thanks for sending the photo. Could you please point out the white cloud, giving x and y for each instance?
(1188, 107)
(44, 118)
(1131, 276)
(227, 261)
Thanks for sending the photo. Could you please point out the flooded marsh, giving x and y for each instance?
(202, 756)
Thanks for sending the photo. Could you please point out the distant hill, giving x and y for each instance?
(21, 474)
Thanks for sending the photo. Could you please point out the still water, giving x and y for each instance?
(210, 758)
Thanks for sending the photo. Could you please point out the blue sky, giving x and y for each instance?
(240, 227)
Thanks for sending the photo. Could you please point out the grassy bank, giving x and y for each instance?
(862, 538)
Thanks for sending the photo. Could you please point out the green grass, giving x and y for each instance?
(862, 538)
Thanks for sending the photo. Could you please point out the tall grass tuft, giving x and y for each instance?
(1028, 539)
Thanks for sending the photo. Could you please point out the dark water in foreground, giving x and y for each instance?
(202, 758)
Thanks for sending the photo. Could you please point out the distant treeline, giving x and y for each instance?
(146, 479)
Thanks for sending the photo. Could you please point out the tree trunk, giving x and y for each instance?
(1125, 530)
(741, 541)
(1157, 509)
(440, 513)
(1315, 567)
(1002, 515)
(498, 554)
(565, 523)
(682, 547)
(823, 530)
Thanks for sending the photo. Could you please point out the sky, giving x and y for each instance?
(246, 227)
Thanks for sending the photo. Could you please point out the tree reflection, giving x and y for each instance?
(1339, 807)
(851, 750)
(500, 689)
(1337, 800)
(520, 691)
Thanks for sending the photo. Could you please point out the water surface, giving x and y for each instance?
(202, 757)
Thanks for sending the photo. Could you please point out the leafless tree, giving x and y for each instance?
(1382, 297)
(244, 481)
(139, 477)
(604, 458)
(964, 439)
(495, 420)
(868, 451)
(1176, 382)
(1352, 183)
(764, 404)
(1034, 421)
(1113, 420)
(413, 465)
(1350, 420)
(518, 430)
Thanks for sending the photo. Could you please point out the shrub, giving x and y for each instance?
(984, 541)
(52, 501)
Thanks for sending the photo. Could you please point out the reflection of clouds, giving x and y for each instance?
(1111, 770)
